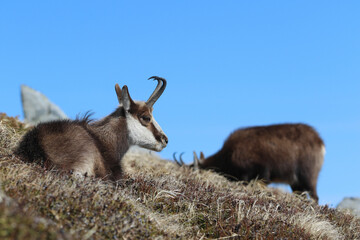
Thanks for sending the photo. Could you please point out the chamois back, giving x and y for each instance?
(96, 147)
(283, 153)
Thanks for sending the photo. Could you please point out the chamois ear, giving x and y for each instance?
(118, 92)
(196, 162)
(126, 99)
(202, 157)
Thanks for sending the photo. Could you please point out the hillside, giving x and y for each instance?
(155, 200)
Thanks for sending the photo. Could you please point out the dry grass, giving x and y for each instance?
(155, 200)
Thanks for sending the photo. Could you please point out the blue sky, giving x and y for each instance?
(229, 64)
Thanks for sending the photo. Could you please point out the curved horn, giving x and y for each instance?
(158, 90)
(179, 162)
(196, 162)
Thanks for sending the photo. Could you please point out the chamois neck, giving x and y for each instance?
(215, 161)
(119, 113)
(112, 135)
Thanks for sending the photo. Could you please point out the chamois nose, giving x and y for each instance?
(165, 139)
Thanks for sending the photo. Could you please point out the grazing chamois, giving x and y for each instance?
(283, 153)
(95, 148)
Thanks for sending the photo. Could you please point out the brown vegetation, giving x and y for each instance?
(155, 200)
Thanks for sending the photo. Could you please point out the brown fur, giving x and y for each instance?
(93, 148)
(89, 148)
(286, 153)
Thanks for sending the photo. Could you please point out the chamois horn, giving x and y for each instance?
(157, 92)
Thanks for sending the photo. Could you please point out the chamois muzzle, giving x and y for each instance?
(157, 92)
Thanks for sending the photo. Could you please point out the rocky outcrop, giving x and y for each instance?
(38, 108)
(352, 204)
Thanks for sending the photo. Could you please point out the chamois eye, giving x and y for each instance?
(145, 118)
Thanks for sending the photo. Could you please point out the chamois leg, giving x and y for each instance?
(84, 167)
(311, 188)
(265, 176)
(116, 173)
(305, 187)
(313, 194)
(89, 164)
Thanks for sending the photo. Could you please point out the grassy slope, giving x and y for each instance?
(156, 199)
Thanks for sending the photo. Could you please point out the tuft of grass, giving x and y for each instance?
(13, 122)
(155, 200)
(11, 130)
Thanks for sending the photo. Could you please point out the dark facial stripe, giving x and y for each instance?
(156, 133)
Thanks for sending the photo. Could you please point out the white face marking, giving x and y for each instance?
(142, 136)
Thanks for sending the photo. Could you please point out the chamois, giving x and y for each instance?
(95, 148)
(283, 153)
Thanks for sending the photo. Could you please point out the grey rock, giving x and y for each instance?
(352, 204)
(38, 108)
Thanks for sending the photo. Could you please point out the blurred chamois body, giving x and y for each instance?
(283, 153)
(96, 148)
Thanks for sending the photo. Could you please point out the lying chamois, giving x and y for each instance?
(284, 153)
(96, 148)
